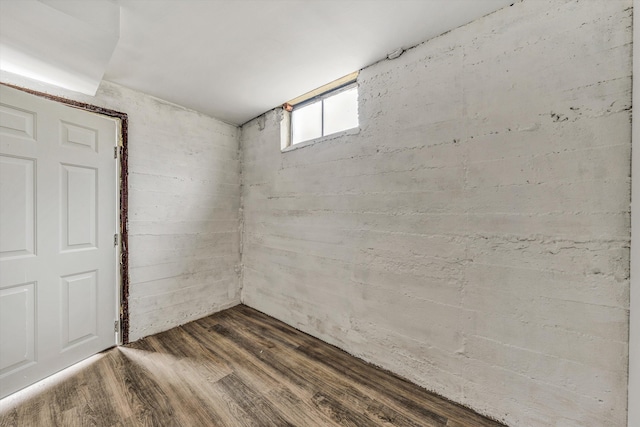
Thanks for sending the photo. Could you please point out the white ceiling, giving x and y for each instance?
(231, 59)
(66, 43)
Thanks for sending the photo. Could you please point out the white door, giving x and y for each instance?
(58, 217)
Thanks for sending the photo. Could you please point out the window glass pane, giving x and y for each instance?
(341, 111)
(306, 122)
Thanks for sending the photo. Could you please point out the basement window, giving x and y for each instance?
(322, 112)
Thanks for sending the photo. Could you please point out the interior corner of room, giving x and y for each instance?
(471, 237)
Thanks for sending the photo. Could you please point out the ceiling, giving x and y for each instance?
(236, 59)
(66, 43)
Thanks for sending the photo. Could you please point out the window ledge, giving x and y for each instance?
(303, 144)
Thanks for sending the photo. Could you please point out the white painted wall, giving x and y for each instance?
(473, 237)
(184, 176)
(634, 321)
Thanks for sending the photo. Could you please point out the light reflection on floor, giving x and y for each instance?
(48, 383)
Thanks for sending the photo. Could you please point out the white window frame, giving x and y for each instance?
(318, 95)
(321, 98)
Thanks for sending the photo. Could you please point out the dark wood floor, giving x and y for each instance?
(235, 368)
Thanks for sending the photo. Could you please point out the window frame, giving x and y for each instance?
(321, 98)
(287, 143)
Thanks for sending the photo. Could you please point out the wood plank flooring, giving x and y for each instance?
(234, 368)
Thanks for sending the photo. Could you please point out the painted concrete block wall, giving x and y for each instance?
(184, 196)
(473, 236)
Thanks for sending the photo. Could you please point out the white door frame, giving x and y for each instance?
(634, 303)
(122, 204)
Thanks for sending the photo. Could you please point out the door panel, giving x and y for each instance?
(58, 216)
(79, 137)
(17, 324)
(17, 222)
(79, 302)
(17, 122)
(78, 225)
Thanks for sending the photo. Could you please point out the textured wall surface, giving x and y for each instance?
(474, 235)
(184, 196)
(634, 303)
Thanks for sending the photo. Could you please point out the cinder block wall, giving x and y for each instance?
(474, 235)
(184, 196)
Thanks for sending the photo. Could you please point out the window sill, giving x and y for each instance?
(303, 144)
